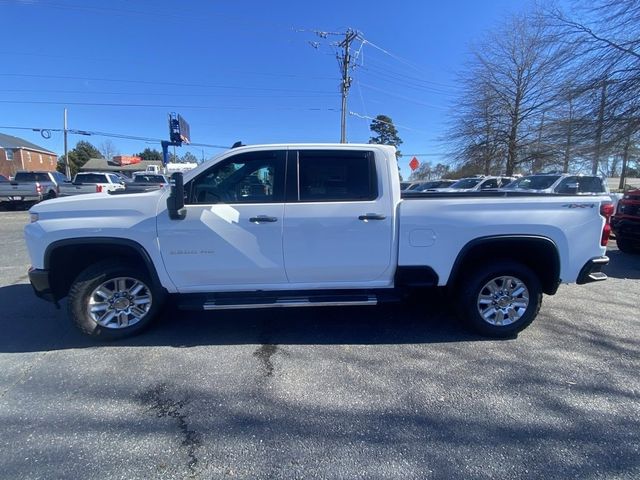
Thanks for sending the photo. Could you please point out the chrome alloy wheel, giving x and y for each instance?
(503, 300)
(119, 302)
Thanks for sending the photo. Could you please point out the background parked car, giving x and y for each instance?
(560, 183)
(145, 181)
(91, 182)
(474, 184)
(626, 222)
(434, 185)
(31, 187)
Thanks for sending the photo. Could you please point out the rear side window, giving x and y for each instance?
(91, 178)
(32, 177)
(336, 175)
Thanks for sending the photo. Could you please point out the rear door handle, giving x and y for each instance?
(263, 219)
(372, 216)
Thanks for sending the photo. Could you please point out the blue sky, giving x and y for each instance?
(236, 70)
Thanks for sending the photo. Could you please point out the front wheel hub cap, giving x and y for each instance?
(119, 302)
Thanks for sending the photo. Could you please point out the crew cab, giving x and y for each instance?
(91, 182)
(31, 187)
(309, 225)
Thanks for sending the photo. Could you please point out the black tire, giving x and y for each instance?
(627, 246)
(98, 274)
(50, 195)
(473, 286)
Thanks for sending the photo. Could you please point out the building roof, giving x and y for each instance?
(104, 165)
(9, 141)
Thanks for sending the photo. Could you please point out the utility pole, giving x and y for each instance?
(67, 170)
(345, 64)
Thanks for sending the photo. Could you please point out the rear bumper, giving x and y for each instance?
(20, 198)
(592, 271)
(39, 280)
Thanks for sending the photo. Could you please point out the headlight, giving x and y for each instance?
(34, 217)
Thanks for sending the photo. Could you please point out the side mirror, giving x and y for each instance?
(175, 200)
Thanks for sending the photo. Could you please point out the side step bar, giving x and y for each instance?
(238, 303)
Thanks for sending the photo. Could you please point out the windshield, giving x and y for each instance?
(466, 183)
(149, 179)
(534, 182)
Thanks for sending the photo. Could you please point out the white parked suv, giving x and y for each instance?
(309, 225)
(562, 183)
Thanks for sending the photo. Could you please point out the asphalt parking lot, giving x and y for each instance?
(369, 393)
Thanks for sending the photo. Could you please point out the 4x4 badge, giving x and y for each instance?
(578, 205)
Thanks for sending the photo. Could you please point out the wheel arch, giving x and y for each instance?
(538, 253)
(65, 259)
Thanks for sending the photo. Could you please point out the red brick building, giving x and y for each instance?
(17, 154)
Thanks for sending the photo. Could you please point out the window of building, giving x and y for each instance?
(8, 153)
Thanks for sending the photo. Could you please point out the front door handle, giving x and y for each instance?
(263, 219)
(372, 216)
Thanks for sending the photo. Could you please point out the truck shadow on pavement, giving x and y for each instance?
(623, 265)
(30, 325)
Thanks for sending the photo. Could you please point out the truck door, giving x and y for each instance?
(231, 238)
(338, 225)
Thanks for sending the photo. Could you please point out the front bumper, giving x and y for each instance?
(592, 271)
(39, 280)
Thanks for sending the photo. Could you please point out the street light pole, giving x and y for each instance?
(66, 149)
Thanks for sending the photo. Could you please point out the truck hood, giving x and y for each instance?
(99, 204)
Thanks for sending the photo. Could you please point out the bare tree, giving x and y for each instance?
(606, 39)
(509, 85)
(108, 149)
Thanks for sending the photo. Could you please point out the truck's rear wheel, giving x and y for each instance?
(111, 300)
(500, 299)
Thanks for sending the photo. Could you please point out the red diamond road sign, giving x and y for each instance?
(414, 163)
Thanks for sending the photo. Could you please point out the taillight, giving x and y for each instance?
(606, 210)
(98, 188)
(39, 188)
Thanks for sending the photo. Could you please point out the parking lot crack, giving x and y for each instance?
(158, 400)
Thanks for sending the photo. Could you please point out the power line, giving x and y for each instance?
(157, 94)
(173, 106)
(402, 97)
(122, 136)
(367, 117)
(147, 82)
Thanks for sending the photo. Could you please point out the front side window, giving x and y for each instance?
(326, 176)
(254, 177)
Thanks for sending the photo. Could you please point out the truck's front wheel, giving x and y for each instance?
(111, 300)
(501, 299)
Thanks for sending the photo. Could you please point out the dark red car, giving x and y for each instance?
(626, 222)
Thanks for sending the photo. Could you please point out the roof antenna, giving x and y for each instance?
(237, 144)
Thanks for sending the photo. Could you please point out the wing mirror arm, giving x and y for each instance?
(175, 200)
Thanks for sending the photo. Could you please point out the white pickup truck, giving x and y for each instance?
(309, 225)
(91, 182)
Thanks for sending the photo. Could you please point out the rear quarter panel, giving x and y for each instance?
(433, 231)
